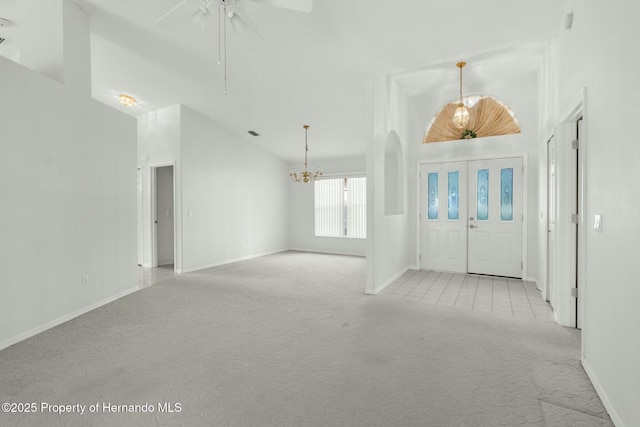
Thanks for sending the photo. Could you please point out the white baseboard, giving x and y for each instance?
(601, 393)
(327, 252)
(389, 281)
(39, 329)
(248, 257)
(229, 261)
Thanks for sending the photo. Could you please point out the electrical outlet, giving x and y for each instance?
(85, 279)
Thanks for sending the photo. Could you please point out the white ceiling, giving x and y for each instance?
(311, 68)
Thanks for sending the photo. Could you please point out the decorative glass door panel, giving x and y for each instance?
(482, 194)
(443, 226)
(432, 204)
(506, 194)
(454, 208)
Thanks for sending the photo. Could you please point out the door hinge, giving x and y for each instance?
(575, 218)
(575, 144)
(574, 292)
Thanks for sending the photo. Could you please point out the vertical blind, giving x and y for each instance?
(341, 207)
(356, 207)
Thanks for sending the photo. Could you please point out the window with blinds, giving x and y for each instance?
(341, 207)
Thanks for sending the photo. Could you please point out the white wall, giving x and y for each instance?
(548, 90)
(54, 41)
(231, 197)
(159, 145)
(302, 221)
(522, 96)
(235, 196)
(387, 255)
(394, 176)
(68, 182)
(596, 54)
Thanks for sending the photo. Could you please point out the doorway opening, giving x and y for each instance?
(163, 217)
(575, 235)
(567, 248)
(549, 291)
(579, 219)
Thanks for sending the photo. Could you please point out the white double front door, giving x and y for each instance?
(471, 216)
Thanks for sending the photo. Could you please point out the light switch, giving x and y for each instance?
(597, 223)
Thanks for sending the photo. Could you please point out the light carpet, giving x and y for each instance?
(291, 340)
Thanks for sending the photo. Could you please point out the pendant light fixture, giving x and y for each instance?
(461, 115)
(305, 176)
(471, 117)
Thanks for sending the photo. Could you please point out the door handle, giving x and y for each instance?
(473, 226)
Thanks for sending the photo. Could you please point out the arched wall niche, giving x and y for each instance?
(393, 176)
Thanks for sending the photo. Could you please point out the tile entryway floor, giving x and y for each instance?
(506, 296)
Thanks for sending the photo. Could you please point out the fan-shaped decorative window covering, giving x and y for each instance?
(487, 117)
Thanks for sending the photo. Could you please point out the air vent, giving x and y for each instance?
(254, 133)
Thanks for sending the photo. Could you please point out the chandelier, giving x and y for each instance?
(305, 176)
(461, 115)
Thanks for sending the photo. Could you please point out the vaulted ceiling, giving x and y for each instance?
(309, 68)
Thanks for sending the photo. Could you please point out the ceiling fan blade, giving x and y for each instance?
(200, 19)
(298, 5)
(240, 21)
(179, 14)
(202, 16)
(243, 26)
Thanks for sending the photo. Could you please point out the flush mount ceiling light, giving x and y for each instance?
(305, 176)
(469, 117)
(5, 22)
(126, 100)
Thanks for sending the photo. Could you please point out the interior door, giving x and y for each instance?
(443, 216)
(164, 216)
(495, 217)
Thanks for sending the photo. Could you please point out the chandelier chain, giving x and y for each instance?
(461, 114)
(460, 84)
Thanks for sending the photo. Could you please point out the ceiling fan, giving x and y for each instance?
(232, 11)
